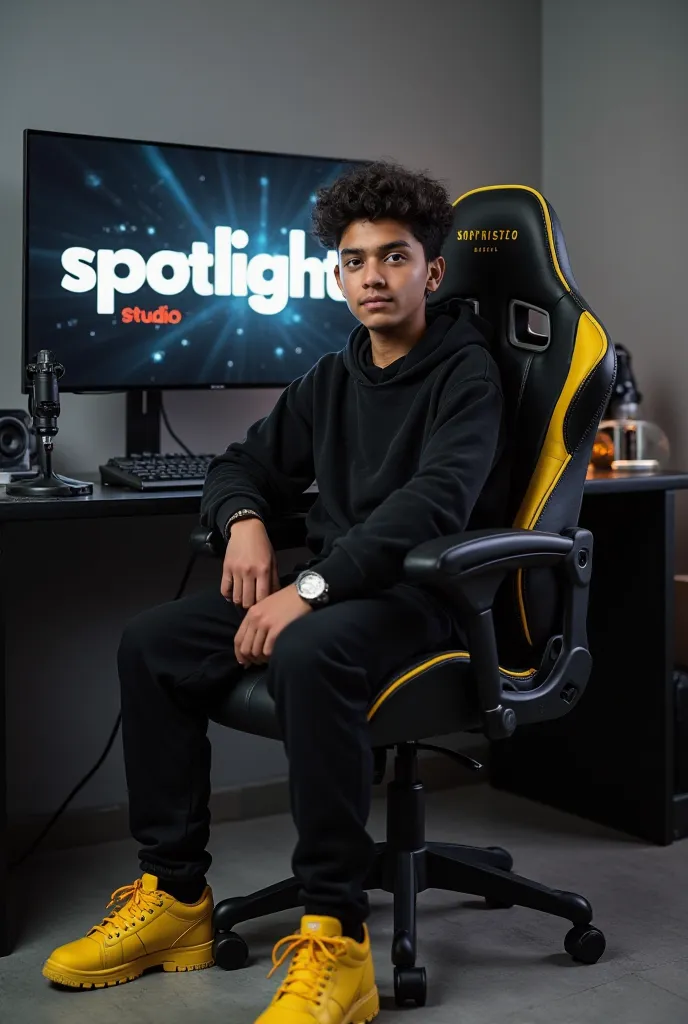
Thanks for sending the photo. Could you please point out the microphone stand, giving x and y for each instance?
(44, 406)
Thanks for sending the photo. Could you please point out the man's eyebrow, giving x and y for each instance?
(400, 243)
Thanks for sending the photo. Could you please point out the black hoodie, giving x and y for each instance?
(400, 455)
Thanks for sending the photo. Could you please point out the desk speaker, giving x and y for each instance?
(17, 441)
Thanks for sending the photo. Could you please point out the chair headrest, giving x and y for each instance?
(506, 242)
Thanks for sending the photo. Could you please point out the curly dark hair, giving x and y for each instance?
(383, 190)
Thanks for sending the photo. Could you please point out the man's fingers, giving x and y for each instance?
(248, 592)
(269, 644)
(226, 587)
(239, 635)
(249, 641)
(262, 587)
(259, 636)
(242, 642)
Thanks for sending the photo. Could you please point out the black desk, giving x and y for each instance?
(621, 734)
(105, 503)
(611, 760)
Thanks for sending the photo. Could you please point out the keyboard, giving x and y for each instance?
(148, 472)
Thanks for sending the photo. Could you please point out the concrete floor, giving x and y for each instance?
(484, 966)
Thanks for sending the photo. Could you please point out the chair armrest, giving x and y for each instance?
(469, 568)
(478, 551)
(287, 532)
(205, 541)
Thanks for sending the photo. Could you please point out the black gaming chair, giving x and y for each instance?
(506, 256)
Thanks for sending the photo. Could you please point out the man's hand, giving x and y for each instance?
(249, 573)
(264, 622)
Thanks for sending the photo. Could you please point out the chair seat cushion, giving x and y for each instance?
(433, 697)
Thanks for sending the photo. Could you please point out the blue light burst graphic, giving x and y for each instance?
(158, 201)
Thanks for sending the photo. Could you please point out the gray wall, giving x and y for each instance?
(456, 92)
(615, 167)
(453, 88)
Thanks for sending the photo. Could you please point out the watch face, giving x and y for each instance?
(311, 586)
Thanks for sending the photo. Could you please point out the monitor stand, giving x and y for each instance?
(143, 422)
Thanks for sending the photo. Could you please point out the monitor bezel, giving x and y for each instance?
(100, 389)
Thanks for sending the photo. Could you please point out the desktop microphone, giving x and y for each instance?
(44, 406)
(44, 401)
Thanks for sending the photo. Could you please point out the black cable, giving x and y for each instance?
(165, 419)
(41, 836)
(185, 577)
(108, 746)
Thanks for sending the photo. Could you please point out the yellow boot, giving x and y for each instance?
(147, 928)
(331, 979)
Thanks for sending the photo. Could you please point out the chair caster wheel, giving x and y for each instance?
(507, 860)
(506, 865)
(410, 986)
(585, 943)
(230, 951)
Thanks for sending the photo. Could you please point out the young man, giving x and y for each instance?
(401, 429)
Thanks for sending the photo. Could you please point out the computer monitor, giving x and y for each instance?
(161, 266)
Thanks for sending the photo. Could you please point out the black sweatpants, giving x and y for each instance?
(173, 659)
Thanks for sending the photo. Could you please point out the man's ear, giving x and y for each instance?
(436, 270)
(338, 278)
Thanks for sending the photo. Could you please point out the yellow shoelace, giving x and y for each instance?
(135, 902)
(314, 960)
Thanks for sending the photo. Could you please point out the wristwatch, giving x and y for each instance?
(313, 588)
(243, 513)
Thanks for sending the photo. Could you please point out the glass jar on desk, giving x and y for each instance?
(631, 445)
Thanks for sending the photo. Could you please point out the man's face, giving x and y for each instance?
(383, 274)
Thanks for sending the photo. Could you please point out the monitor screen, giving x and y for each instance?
(169, 266)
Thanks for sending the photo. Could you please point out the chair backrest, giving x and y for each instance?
(506, 255)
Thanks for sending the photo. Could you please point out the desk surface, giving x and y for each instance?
(105, 501)
(608, 482)
(116, 501)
